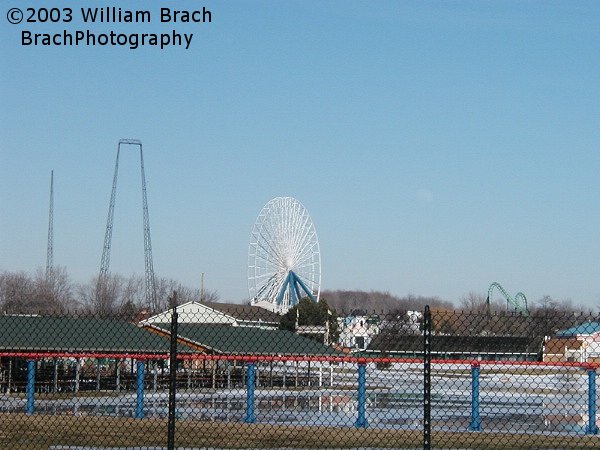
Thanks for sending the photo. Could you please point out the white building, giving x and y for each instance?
(357, 330)
(219, 313)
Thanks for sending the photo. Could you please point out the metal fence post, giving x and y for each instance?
(591, 428)
(98, 368)
(117, 374)
(54, 375)
(361, 421)
(172, 376)
(77, 374)
(427, 379)
(30, 386)
(250, 380)
(139, 405)
(475, 424)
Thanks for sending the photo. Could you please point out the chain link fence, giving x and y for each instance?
(230, 376)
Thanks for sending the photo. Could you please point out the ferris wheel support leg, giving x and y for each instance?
(294, 297)
(305, 289)
(283, 289)
(297, 292)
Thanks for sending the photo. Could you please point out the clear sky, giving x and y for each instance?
(438, 146)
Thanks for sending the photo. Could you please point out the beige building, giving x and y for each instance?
(576, 344)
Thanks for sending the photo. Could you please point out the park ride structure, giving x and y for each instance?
(284, 258)
(518, 303)
(150, 294)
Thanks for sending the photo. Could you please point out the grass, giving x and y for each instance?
(37, 432)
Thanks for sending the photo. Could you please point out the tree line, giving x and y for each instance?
(473, 315)
(55, 293)
(348, 301)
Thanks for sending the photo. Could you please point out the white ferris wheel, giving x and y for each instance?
(284, 261)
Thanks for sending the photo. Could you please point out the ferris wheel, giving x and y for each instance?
(284, 261)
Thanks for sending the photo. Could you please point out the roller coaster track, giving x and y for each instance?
(519, 302)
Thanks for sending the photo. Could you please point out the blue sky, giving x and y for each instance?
(438, 146)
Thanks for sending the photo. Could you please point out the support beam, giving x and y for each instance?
(50, 246)
(55, 375)
(214, 374)
(228, 375)
(361, 407)
(155, 376)
(139, 405)
(591, 428)
(97, 374)
(117, 374)
(9, 383)
(105, 261)
(475, 424)
(284, 374)
(30, 407)
(77, 374)
(250, 380)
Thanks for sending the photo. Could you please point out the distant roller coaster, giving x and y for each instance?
(519, 302)
(105, 262)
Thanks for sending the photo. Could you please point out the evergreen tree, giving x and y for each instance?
(307, 313)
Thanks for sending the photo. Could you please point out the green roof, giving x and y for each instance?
(85, 334)
(457, 344)
(229, 339)
(95, 335)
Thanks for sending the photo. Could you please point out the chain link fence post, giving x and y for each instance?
(172, 375)
(427, 379)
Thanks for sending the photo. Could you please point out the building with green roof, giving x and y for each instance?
(226, 339)
(77, 335)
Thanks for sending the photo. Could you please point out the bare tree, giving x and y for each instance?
(474, 301)
(16, 292)
(53, 293)
(185, 294)
(134, 291)
(209, 296)
(100, 296)
(345, 302)
(43, 293)
(547, 303)
(108, 291)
